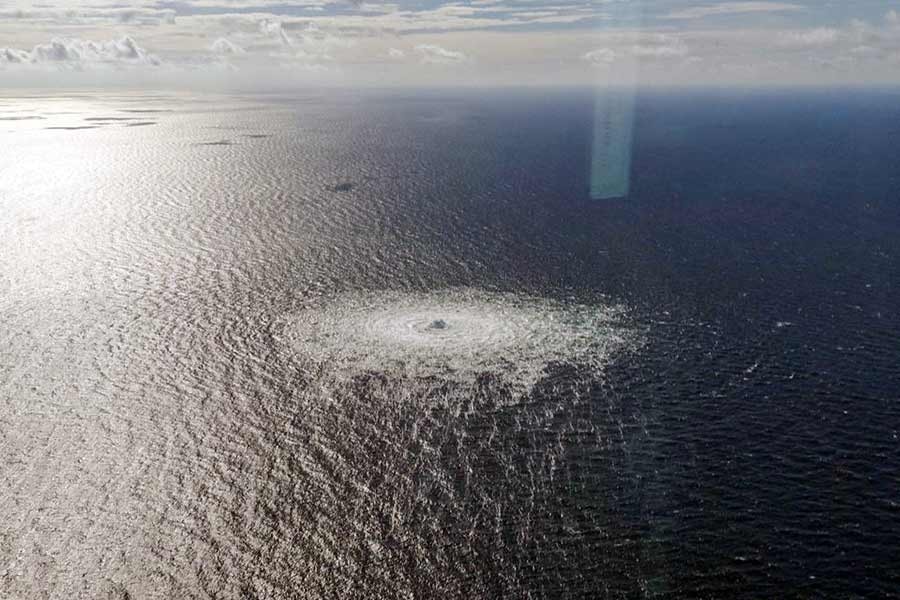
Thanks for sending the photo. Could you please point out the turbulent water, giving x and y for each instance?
(384, 345)
(454, 336)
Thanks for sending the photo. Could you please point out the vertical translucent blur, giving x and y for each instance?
(613, 124)
(614, 116)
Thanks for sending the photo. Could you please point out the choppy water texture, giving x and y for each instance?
(385, 346)
(455, 335)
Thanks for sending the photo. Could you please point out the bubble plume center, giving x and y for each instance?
(455, 334)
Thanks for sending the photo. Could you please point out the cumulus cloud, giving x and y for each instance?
(286, 44)
(321, 40)
(601, 56)
(276, 30)
(432, 54)
(14, 56)
(226, 47)
(77, 53)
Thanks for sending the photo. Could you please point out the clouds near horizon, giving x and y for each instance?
(406, 41)
(77, 53)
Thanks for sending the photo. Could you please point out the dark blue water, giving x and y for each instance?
(167, 431)
(773, 220)
(762, 240)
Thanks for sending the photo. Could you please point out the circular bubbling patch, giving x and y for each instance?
(455, 334)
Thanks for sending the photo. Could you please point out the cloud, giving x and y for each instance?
(44, 17)
(319, 46)
(660, 46)
(488, 41)
(226, 47)
(14, 56)
(76, 53)
(276, 30)
(732, 8)
(650, 47)
(601, 56)
(812, 38)
(431, 54)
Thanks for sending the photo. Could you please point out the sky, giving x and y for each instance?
(277, 43)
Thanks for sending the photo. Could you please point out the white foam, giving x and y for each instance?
(455, 334)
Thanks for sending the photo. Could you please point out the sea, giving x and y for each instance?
(385, 344)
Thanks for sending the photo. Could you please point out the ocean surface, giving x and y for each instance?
(384, 345)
